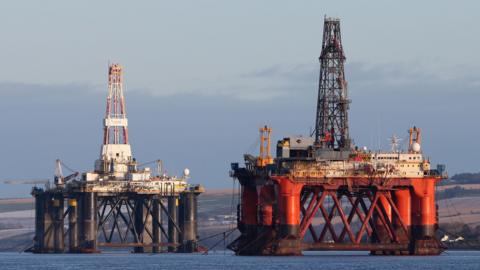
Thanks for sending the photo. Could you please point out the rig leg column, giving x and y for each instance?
(142, 223)
(288, 197)
(247, 243)
(40, 216)
(73, 243)
(248, 223)
(425, 219)
(38, 239)
(156, 223)
(138, 223)
(172, 223)
(266, 198)
(188, 217)
(48, 225)
(57, 213)
(428, 211)
(89, 223)
(403, 202)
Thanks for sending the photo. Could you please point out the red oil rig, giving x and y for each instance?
(323, 193)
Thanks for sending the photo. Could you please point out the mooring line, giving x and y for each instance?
(218, 242)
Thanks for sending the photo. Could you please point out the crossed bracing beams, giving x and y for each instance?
(361, 216)
(133, 220)
(57, 223)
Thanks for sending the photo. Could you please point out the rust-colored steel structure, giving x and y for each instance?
(323, 193)
(388, 217)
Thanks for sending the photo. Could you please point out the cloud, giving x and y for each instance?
(206, 131)
(373, 76)
(203, 132)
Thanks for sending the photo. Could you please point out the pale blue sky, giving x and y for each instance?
(204, 46)
(202, 76)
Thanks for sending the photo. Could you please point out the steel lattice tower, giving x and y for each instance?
(115, 126)
(331, 127)
(115, 149)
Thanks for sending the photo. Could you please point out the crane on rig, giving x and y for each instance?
(59, 179)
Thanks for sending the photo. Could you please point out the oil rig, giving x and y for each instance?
(119, 204)
(321, 192)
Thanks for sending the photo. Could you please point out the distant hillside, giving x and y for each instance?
(457, 191)
(462, 178)
(459, 185)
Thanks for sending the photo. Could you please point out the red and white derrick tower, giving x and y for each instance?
(115, 125)
(116, 153)
(116, 162)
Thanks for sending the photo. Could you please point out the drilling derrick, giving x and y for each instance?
(331, 126)
(115, 115)
(116, 153)
(118, 204)
(320, 193)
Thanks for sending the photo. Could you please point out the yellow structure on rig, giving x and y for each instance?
(265, 158)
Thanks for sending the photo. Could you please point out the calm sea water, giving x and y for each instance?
(458, 260)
